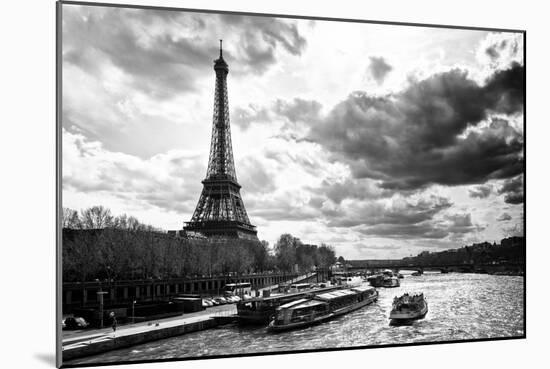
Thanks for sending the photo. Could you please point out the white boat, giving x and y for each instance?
(353, 281)
(348, 280)
(383, 280)
(409, 307)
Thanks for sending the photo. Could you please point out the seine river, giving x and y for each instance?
(461, 306)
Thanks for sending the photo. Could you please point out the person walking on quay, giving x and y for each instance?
(114, 323)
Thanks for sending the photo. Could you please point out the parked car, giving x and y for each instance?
(232, 299)
(74, 323)
(220, 300)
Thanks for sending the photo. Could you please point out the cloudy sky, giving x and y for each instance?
(380, 140)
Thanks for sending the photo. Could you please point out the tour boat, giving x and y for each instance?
(322, 307)
(409, 307)
(351, 281)
(259, 310)
(384, 280)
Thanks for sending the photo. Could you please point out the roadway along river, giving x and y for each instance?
(461, 306)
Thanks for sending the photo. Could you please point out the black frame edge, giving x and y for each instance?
(58, 188)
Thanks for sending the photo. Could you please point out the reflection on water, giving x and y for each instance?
(461, 306)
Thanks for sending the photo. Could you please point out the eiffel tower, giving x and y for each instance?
(220, 211)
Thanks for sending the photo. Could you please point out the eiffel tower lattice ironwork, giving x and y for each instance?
(220, 210)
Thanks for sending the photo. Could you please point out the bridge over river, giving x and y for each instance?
(397, 265)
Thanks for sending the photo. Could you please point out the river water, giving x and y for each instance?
(461, 306)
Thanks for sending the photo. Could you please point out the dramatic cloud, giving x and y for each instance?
(460, 223)
(379, 68)
(255, 178)
(515, 230)
(277, 178)
(499, 50)
(418, 137)
(338, 190)
(405, 231)
(166, 181)
(363, 247)
(398, 211)
(298, 110)
(289, 113)
(282, 206)
(150, 61)
(504, 217)
(454, 226)
(481, 192)
(513, 190)
(161, 52)
(251, 114)
(259, 31)
(131, 74)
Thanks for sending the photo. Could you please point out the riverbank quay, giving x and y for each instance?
(92, 342)
(123, 293)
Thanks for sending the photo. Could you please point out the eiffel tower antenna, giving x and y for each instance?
(220, 210)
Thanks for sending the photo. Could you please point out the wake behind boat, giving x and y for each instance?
(322, 307)
(408, 308)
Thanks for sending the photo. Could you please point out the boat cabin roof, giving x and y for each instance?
(278, 296)
(362, 288)
(308, 303)
(335, 294)
(292, 303)
(292, 294)
(300, 285)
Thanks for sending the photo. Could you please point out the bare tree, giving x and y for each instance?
(121, 222)
(70, 219)
(285, 251)
(96, 217)
(327, 256)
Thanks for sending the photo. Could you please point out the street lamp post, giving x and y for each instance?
(100, 294)
(133, 314)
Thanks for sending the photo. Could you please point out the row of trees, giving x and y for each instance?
(98, 245)
(292, 254)
(99, 217)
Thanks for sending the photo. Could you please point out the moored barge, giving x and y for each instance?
(322, 307)
(259, 310)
